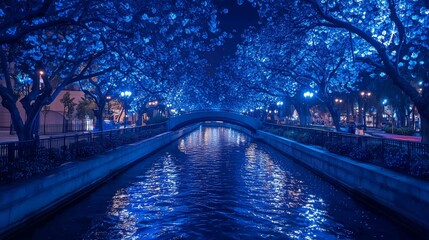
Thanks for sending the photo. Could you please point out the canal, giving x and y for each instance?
(217, 183)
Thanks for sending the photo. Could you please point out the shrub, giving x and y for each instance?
(277, 131)
(396, 158)
(339, 148)
(43, 161)
(156, 119)
(375, 152)
(400, 131)
(419, 167)
(304, 138)
(358, 153)
(290, 134)
(89, 150)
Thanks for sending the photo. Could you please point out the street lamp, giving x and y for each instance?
(126, 96)
(339, 101)
(108, 98)
(280, 107)
(41, 79)
(307, 95)
(384, 103)
(364, 95)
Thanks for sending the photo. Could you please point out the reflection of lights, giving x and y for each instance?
(338, 100)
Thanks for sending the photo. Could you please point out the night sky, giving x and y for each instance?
(238, 18)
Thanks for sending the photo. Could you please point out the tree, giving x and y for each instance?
(69, 107)
(285, 61)
(387, 35)
(55, 43)
(85, 109)
(76, 40)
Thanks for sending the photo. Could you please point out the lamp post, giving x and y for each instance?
(126, 95)
(108, 98)
(307, 95)
(364, 95)
(41, 79)
(339, 101)
(280, 107)
(384, 103)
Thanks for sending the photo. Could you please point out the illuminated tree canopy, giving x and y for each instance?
(159, 49)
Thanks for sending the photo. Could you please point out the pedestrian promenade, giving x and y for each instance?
(380, 133)
(5, 136)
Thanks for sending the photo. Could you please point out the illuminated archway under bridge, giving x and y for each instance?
(180, 121)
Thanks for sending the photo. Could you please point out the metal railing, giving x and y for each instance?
(50, 152)
(405, 156)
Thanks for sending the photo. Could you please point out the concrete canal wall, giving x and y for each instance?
(405, 196)
(24, 202)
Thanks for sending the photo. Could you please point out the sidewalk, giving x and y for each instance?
(6, 137)
(380, 133)
(376, 132)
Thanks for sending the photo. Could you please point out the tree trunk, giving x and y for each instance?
(401, 113)
(99, 118)
(302, 114)
(139, 121)
(335, 116)
(24, 131)
(424, 128)
(379, 115)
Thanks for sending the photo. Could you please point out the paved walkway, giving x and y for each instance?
(6, 137)
(377, 132)
(380, 133)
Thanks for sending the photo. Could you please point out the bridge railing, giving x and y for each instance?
(213, 110)
(226, 115)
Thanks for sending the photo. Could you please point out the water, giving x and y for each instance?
(217, 183)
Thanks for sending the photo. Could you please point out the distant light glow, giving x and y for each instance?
(308, 94)
(125, 94)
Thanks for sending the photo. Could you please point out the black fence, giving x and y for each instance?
(405, 156)
(22, 159)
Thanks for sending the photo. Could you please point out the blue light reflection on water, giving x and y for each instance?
(217, 183)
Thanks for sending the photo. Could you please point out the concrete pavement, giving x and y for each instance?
(5, 136)
(380, 133)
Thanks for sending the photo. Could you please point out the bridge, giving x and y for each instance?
(180, 121)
